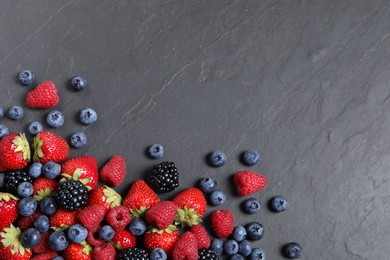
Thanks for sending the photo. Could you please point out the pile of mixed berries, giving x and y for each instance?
(52, 206)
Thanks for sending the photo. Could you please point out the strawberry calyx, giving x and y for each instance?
(77, 177)
(87, 249)
(11, 238)
(22, 145)
(168, 230)
(37, 144)
(62, 227)
(43, 194)
(7, 196)
(137, 213)
(112, 196)
(187, 217)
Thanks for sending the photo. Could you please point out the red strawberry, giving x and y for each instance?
(45, 256)
(106, 252)
(43, 96)
(50, 147)
(43, 245)
(123, 239)
(191, 205)
(91, 217)
(10, 246)
(63, 219)
(93, 237)
(44, 187)
(26, 222)
(162, 214)
(140, 198)
(82, 168)
(113, 173)
(222, 222)
(104, 196)
(75, 251)
(14, 152)
(248, 182)
(118, 218)
(165, 239)
(8, 209)
(185, 248)
(201, 236)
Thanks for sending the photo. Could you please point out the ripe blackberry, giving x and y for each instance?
(165, 177)
(72, 195)
(133, 253)
(12, 180)
(207, 254)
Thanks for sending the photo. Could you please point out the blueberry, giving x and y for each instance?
(30, 238)
(231, 247)
(27, 206)
(106, 233)
(254, 231)
(35, 170)
(3, 131)
(51, 170)
(207, 184)
(158, 254)
(245, 248)
(78, 139)
(26, 77)
(35, 127)
(48, 206)
(279, 204)
(217, 197)
(78, 83)
(77, 233)
(239, 233)
(1, 112)
(156, 151)
(251, 206)
(25, 189)
(15, 113)
(88, 116)
(251, 157)
(58, 241)
(55, 119)
(137, 226)
(217, 246)
(58, 258)
(2, 176)
(258, 254)
(217, 158)
(237, 257)
(42, 223)
(292, 250)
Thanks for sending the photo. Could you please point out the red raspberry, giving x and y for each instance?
(186, 247)
(28, 222)
(201, 236)
(91, 217)
(43, 245)
(118, 217)
(93, 237)
(113, 173)
(106, 252)
(162, 214)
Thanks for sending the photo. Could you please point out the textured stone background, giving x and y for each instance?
(304, 82)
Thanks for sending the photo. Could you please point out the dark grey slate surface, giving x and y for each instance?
(304, 82)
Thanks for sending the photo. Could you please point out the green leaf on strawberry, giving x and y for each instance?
(22, 145)
(10, 238)
(112, 197)
(187, 217)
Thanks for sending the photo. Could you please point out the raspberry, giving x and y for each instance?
(91, 217)
(201, 236)
(113, 173)
(118, 217)
(106, 252)
(93, 238)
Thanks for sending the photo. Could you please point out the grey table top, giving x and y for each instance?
(304, 82)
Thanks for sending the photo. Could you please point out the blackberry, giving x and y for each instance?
(133, 253)
(165, 177)
(207, 254)
(72, 195)
(13, 179)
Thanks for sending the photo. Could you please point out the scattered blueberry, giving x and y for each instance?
(251, 157)
(48, 206)
(251, 206)
(245, 248)
(25, 189)
(51, 170)
(217, 158)
(77, 233)
(78, 83)
(156, 151)
(58, 258)
(35, 170)
(78, 139)
(106, 233)
(254, 231)
(88, 116)
(27, 206)
(30, 238)
(15, 113)
(207, 184)
(293, 250)
(2, 176)
(3, 131)
(231, 247)
(26, 77)
(42, 223)
(217, 197)
(58, 241)
(137, 226)
(237, 257)
(1, 112)
(258, 254)
(158, 254)
(34, 128)
(217, 246)
(239, 233)
(55, 119)
(279, 204)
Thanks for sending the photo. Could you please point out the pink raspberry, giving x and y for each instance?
(118, 217)
(106, 252)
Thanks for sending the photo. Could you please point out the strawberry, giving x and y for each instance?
(162, 214)
(82, 168)
(185, 248)
(14, 152)
(43, 245)
(91, 217)
(140, 198)
(118, 218)
(123, 239)
(104, 196)
(248, 182)
(45, 95)
(63, 219)
(8, 209)
(106, 252)
(113, 173)
(26, 222)
(45, 256)
(202, 238)
(10, 245)
(44, 187)
(50, 147)
(222, 222)
(75, 251)
(191, 205)
(157, 238)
